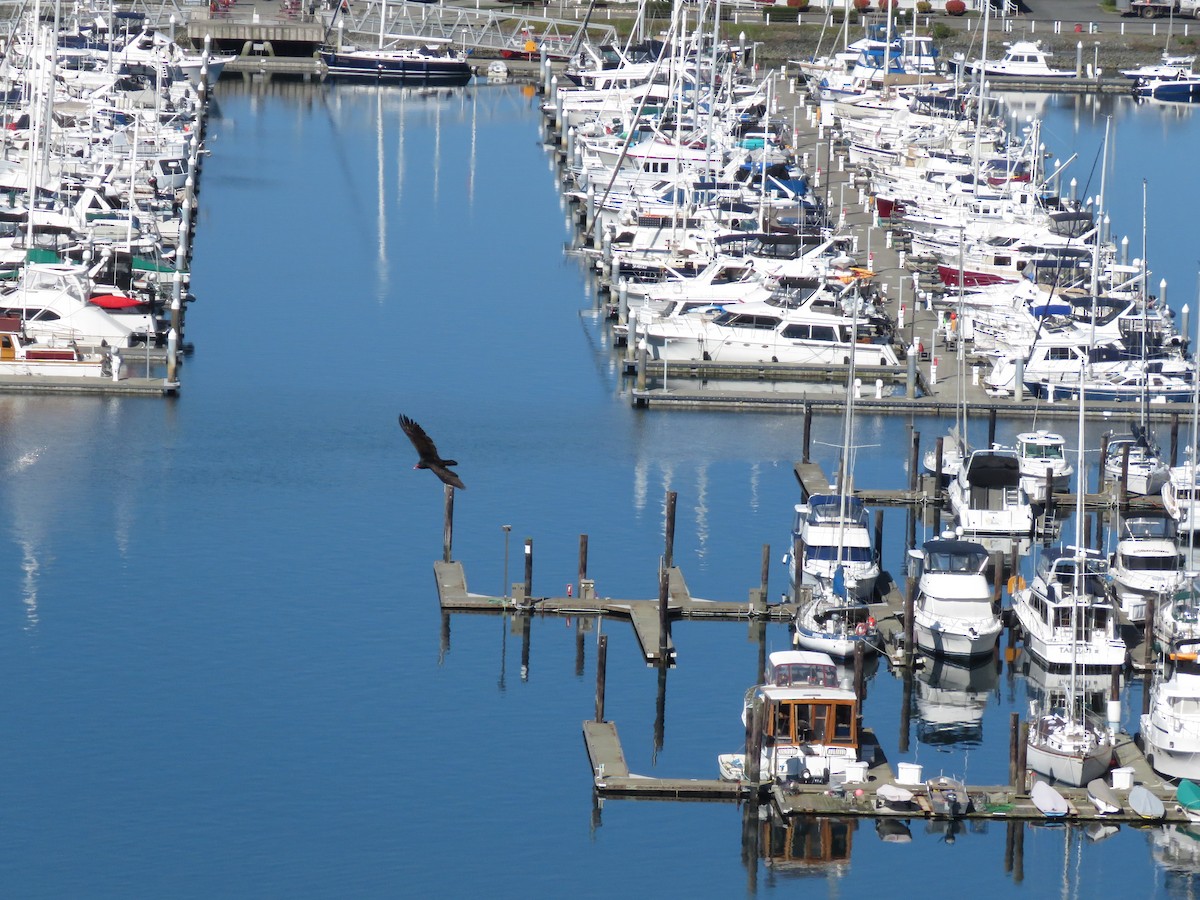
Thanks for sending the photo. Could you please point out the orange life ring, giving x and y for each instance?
(860, 629)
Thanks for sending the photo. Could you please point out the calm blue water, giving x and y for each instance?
(225, 671)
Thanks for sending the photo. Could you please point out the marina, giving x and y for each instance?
(237, 668)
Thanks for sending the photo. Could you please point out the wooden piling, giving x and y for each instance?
(1174, 438)
(808, 413)
(937, 486)
(528, 570)
(991, 424)
(601, 675)
(914, 461)
(879, 538)
(583, 561)
(1149, 640)
(764, 573)
(997, 579)
(754, 728)
(858, 680)
(664, 615)
(1019, 785)
(669, 549)
(906, 703)
(1124, 478)
(1014, 735)
(797, 556)
(448, 524)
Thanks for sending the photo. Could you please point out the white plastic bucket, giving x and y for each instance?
(908, 773)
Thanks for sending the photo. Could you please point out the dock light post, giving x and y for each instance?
(507, 529)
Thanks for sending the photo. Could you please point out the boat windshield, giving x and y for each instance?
(971, 561)
(830, 554)
(791, 674)
(1164, 563)
(1034, 450)
(1150, 527)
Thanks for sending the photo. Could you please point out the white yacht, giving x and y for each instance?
(954, 614)
(1171, 729)
(54, 303)
(1041, 456)
(833, 534)
(1021, 59)
(1180, 498)
(1146, 470)
(809, 729)
(768, 332)
(1146, 563)
(987, 497)
(1066, 614)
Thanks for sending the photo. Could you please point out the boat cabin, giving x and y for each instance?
(792, 668)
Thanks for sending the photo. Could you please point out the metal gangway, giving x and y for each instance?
(494, 31)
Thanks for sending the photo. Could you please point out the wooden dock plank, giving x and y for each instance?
(645, 619)
(604, 750)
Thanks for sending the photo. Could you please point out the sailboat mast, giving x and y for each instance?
(1080, 557)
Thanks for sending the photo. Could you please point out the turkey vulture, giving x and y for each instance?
(429, 454)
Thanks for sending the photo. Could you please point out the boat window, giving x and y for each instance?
(1152, 563)
(843, 724)
(783, 722)
(823, 333)
(819, 553)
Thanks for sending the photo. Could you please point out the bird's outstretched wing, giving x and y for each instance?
(428, 453)
(426, 449)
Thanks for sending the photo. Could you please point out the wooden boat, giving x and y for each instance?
(1145, 804)
(1103, 797)
(809, 725)
(1049, 802)
(1188, 796)
(948, 797)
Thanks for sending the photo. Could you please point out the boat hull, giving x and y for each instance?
(408, 70)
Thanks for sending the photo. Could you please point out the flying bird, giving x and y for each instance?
(428, 452)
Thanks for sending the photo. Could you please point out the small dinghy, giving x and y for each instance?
(1145, 804)
(894, 796)
(1188, 796)
(948, 797)
(1049, 802)
(1102, 797)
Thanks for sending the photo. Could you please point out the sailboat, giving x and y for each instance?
(1066, 741)
(835, 556)
(422, 60)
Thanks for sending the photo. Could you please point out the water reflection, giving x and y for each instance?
(951, 699)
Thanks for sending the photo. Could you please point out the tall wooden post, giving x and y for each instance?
(1151, 614)
(807, 433)
(914, 461)
(879, 537)
(1022, 750)
(991, 424)
(1174, 438)
(601, 675)
(583, 560)
(664, 614)
(937, 486)
(797, 558)
(765, 572)
(1014, 735)
(1124, 478)
(528, 570)
(448, 524)
(669, 550)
